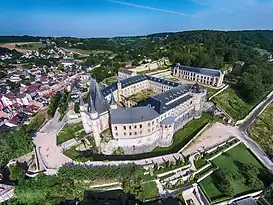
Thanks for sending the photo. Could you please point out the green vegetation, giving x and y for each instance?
(210, 91)
(184, 135)
(110, 80)
(70, 131)
(61, 101)
(200, 163)
(17, 172)
(143, 95)
(168, 166)
(233, 104)
(242, 174)
(262, 130)
(173, 79)
(31, 46)
(150, 190)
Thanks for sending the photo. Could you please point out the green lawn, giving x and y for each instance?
(150, 190)
(262, 130)
(228, 162)
(110, 80)
(173, 79)
(141, 96)
(210, 91)
(233, 104)
(70, 131)
(184, 135)
(200, 163)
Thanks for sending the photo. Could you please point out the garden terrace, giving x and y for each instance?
(141, 96)
(232, 161)
(70, 131)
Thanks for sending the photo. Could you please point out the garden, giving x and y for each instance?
(239, 173)
(141, 96)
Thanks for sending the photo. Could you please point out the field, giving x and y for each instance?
(262, 130)
(88, 52)
(228, 161)
(150, 190)
(141, 96)
(233, 104)
(23, 47)
(69, 132)
(184, 135)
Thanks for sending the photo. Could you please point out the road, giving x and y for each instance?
(258, 151)
(244, 127)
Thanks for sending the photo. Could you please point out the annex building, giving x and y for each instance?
(206, 76)
(138, 127)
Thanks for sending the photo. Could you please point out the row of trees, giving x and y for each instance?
(67, 184)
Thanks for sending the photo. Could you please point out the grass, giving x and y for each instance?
(150, 190)
(228, 162)
(69, 131)
(172, 79)
(73, 154)
(233, 104)
(200, 163)
(152, 70)
(184, 135)
(141, 96)
(31, 46)
(148, 177)
(110, 80)
(262, 130)
(210, 91)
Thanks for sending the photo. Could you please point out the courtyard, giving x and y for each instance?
(143, 95)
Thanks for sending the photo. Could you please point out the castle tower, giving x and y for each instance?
(86, 120)
(113, 103)
(199, 97)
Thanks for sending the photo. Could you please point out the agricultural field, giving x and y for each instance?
(23, 47)
(230, 161)
(229, 101)
(262, 130)
(141, 96)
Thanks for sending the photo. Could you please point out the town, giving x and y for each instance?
(85, 125)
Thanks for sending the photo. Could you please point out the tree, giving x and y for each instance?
(222, 180)
(17, 172)
(77, 107)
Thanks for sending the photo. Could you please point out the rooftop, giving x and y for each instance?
(201, 71)
(132, 115)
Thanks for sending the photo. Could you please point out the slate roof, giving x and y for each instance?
(132, 115)
(201, 71)
(168, 99)
(136, 79)
(96, 100)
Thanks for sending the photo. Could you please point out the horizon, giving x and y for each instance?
(118, 18)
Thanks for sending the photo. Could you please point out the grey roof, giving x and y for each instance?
(168, 120)
(162, 102)
(247, 201)
(132, 115)
(201, 71)
(136, 79)
(112, 100)
(96, 100)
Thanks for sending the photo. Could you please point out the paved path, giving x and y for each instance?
(246, 124)
(258, 151)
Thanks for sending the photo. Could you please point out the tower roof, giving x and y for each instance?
(112, 100)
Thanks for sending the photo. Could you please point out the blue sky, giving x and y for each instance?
(96, 18)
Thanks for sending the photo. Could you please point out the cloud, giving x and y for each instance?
(150, 8)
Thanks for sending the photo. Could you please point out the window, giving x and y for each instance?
(149, 124)
(149, 130)
(124, 127)
(140, 132)
(124, 133)
(140, 126)
(153, 122)
(130, 127)
(116, 127)
(135, 126)
(130, 133)
(135, 133)
(116, 134)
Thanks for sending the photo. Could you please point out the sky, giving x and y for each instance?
(107, 18)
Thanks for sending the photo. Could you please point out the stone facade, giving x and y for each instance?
(200, 75)
(141, 128)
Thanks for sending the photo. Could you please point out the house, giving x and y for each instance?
(32, 90)
(8, 99)
(22, 98)
(124, 73)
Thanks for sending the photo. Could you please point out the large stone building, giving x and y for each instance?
(200, 75)
(147, 124)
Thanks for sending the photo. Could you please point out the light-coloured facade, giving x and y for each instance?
(148, 124)
(200, 75)
(124, 73)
